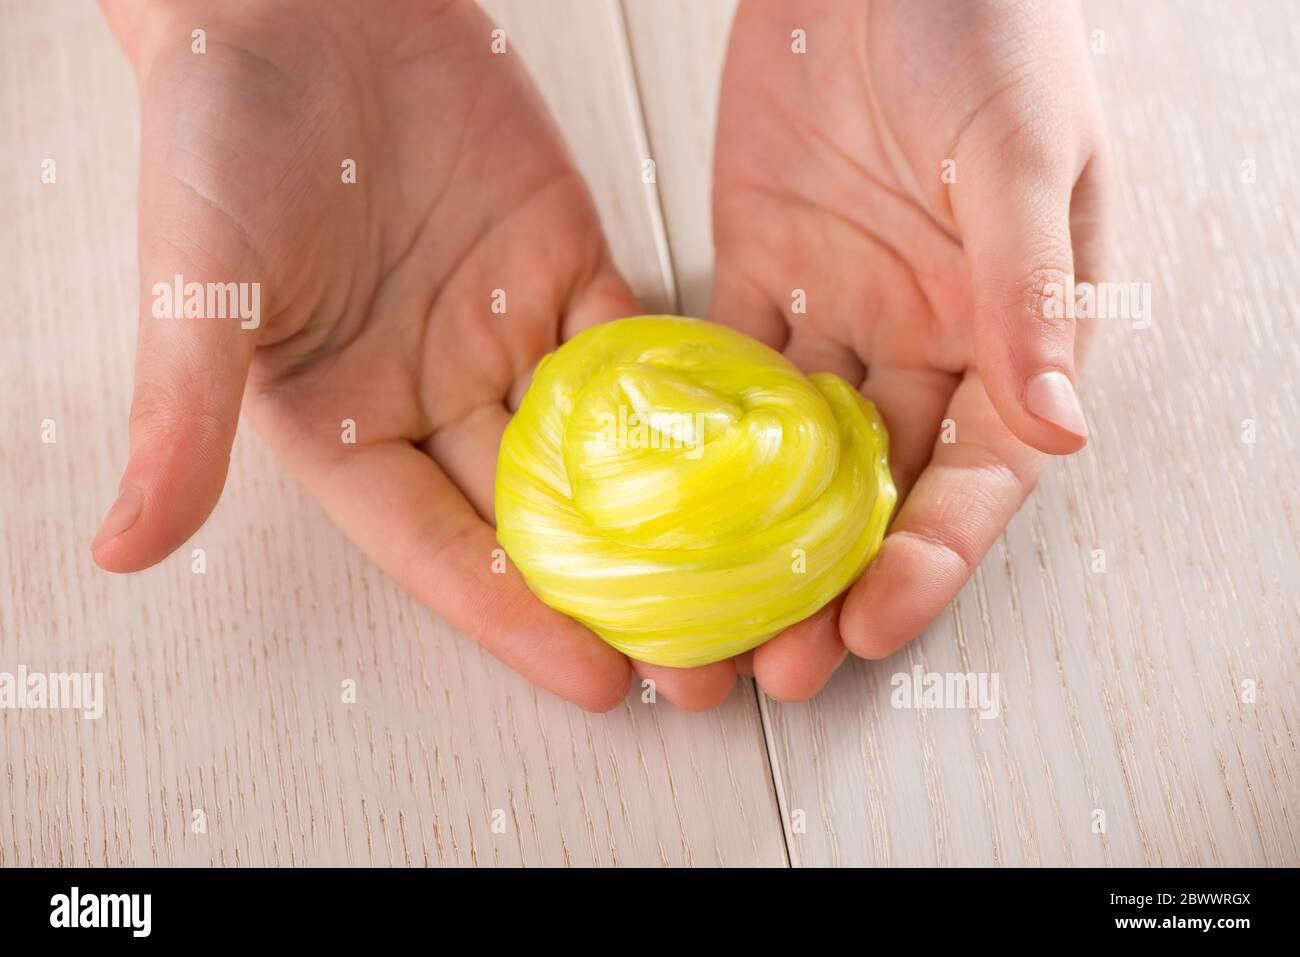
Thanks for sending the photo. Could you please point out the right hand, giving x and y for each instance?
(376, 297)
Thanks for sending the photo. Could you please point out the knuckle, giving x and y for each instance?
(195, 428)
(1046, 292)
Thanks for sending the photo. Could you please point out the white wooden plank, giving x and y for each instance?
(677, 49)
(1123, 691)
(223, 690)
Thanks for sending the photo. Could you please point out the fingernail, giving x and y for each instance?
(123, 514)
(1051, 396)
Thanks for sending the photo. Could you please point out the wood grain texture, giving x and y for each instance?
(1122, 691)
(224, 689)
(678, 47)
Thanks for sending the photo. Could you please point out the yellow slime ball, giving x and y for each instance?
(685, 492)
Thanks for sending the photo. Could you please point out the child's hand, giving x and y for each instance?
(376, 297)
(830, 180)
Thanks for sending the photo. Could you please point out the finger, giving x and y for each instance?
(797, 663)
(813, 352)
(959, 506)
(913, 403)
(397, 505)
(467, 451)
(466, 448)
(1012, 205)
(603, 298)
(606, 296)
(189, 372)
(691, 689)
(1091, 211)
(740, 303)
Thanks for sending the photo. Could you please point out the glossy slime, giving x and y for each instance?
(685, 492)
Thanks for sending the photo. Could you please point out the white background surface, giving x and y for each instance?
(1121, 691)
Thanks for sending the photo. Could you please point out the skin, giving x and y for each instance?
(376, 295)
(927, 294)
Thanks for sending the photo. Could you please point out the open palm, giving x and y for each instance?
(421, 239)
(401, 313)
(896, 186)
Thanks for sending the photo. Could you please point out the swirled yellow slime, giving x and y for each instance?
(685, 492)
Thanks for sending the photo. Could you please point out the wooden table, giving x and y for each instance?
(1126, 693)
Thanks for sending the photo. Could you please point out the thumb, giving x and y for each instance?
(1015, 226)
(192, 361)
